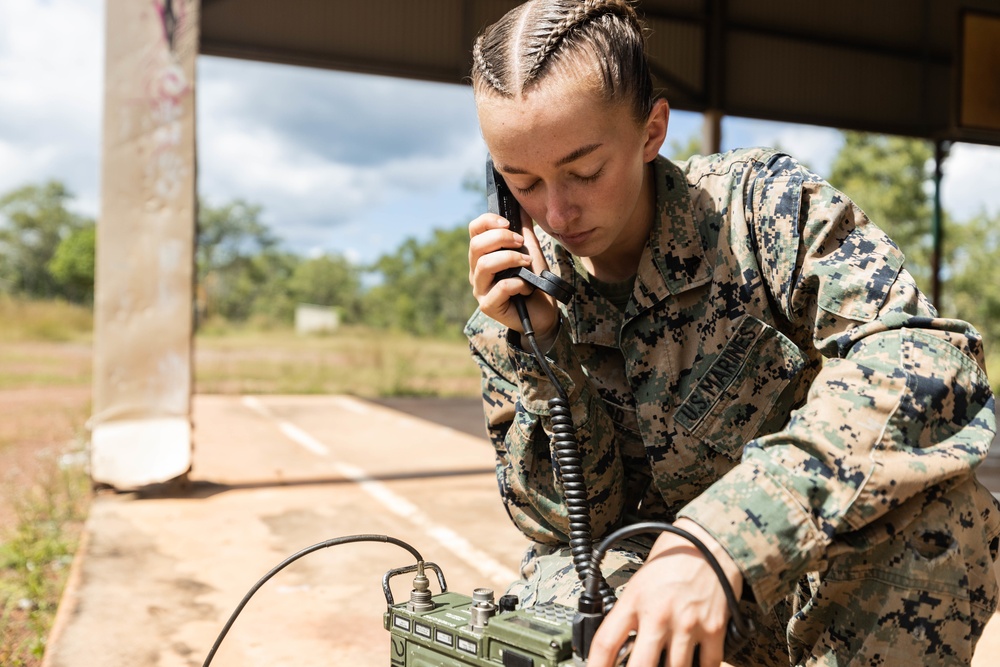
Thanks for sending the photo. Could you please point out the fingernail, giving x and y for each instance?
(519, 238)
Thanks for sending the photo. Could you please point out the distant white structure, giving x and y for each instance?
(313, 319)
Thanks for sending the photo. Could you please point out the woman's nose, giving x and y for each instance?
(560, 211)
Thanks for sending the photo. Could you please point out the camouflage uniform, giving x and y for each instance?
(777, 378)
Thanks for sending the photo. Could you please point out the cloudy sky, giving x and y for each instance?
(339, 162)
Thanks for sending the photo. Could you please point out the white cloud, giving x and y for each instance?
(971, 183)
(330, 163)
(51, 65)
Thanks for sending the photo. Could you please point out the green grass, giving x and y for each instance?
(354, 361)
(35, 555)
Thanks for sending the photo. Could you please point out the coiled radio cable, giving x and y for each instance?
(569, 463)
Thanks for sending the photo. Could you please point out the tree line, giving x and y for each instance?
(242, 272)
(244, 275)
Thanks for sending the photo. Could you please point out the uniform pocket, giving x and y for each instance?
(741, 387)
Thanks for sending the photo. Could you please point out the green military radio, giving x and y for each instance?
(453, 629)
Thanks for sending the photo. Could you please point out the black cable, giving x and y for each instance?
(569, 461)
(291, 559)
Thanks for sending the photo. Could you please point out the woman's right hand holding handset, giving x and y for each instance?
(493, 247)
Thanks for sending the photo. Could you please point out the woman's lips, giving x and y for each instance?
(574, 239)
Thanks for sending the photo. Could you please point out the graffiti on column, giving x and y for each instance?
(169, 20)
(169, 90)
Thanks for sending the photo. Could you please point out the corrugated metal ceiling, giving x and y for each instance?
(885, 66)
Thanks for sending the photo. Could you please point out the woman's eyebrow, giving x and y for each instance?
(575, 155)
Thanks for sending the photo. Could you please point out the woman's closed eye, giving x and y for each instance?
(592, 177)
(528, 190)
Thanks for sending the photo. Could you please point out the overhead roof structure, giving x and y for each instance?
(922, 68)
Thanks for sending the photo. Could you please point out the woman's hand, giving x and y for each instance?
(493, 247)
(673, 603)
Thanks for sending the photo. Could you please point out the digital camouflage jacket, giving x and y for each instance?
(776, 377)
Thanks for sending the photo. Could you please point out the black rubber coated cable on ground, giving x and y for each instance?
(291, 559)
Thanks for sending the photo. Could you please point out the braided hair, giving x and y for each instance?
(544, 36)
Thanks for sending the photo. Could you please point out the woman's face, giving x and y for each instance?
(577, 164)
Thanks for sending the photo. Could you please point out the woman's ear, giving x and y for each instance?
(656, 129)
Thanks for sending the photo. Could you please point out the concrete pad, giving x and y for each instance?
(161, 571)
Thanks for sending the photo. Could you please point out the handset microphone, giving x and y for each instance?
(501, 201)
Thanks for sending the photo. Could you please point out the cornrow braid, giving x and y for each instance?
(603, 36)
(485, 69)
(580, 13)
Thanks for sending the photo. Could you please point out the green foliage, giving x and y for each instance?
(679, 151)
(425, 288)
(34, 221)
(72, 265)
(973, 275)
(888, 178)
(230, 234)
(328, 280)
(237, 261)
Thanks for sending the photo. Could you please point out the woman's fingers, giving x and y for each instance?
(494, 248)
(610, 637)
(489, 265)
(488, 234)
(534, 249)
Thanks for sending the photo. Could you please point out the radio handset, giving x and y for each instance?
(501, 201)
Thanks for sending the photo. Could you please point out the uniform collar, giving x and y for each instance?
(673, 261)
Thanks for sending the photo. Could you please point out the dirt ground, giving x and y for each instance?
(38, 428)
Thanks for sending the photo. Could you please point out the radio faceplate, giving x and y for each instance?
(539, 636)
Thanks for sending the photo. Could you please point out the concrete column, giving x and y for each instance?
(141, 426)
(711, 132)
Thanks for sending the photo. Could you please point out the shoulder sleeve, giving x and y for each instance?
(901, 405)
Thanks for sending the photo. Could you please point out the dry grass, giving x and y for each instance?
(26, 320)
(44, 487)
(361, 362)
(45, 372)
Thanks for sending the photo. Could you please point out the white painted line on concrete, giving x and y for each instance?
(451, 540)
(352, 404)
(254, 404)
(298, 435)
(293, 432)
(398, 505)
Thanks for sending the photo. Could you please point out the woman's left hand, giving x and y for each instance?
(673, 603)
